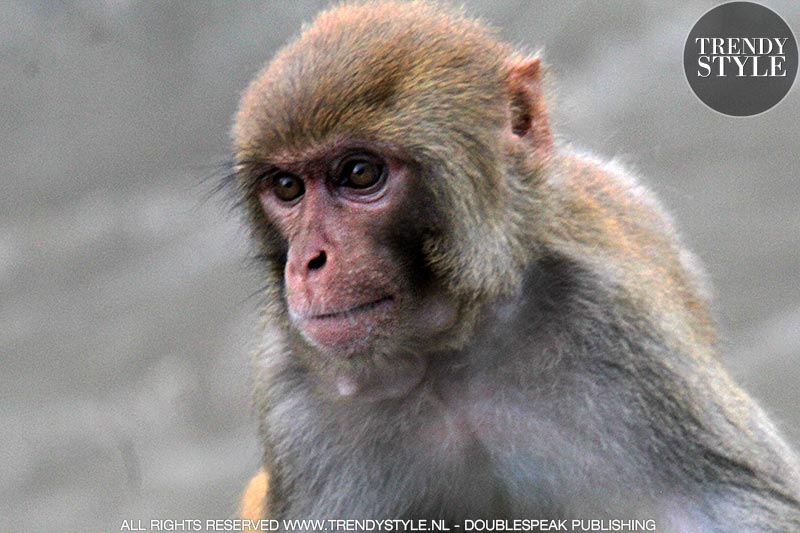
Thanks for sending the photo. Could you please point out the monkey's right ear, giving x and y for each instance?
(528, 110)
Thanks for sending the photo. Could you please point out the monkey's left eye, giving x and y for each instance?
(360, 173)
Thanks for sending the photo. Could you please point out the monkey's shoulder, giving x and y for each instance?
(605, 219)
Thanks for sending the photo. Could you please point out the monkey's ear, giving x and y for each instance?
(528, 109)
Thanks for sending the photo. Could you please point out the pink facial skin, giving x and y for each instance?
(346, 290)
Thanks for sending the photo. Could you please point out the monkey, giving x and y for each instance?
(464, 316)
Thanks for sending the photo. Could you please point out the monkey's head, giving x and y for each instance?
(381, 158)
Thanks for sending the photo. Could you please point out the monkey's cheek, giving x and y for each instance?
(438, 313)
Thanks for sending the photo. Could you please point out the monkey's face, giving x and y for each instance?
(356, 287)
(373, 153)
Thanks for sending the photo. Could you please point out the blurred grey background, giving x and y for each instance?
(126, 307)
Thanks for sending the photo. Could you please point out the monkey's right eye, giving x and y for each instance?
(287, 187)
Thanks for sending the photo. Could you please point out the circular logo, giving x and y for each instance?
(740, 59)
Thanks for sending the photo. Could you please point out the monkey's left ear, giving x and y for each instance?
(528, 110)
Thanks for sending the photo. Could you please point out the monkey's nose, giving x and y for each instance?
(317, 262)
(302, 266)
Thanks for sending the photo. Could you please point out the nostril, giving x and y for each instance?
(318, 262)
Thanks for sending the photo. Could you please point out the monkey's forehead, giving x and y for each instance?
(398, 71)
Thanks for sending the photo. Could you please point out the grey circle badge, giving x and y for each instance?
(740, 58)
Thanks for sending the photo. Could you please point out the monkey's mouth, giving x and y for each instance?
(361, 308)
(349, 328)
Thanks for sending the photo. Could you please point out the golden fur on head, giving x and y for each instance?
(414, 77)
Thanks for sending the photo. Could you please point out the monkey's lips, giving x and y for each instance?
(349, 326)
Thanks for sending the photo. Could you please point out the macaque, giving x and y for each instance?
(463, 317)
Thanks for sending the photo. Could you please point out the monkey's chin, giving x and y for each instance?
(379, 379)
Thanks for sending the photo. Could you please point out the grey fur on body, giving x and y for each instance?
(568, 403)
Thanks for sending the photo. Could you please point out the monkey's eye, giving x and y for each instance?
(287, 187)
(360, 172)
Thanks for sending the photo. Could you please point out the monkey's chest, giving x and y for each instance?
(505, 456)
(456, 461)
